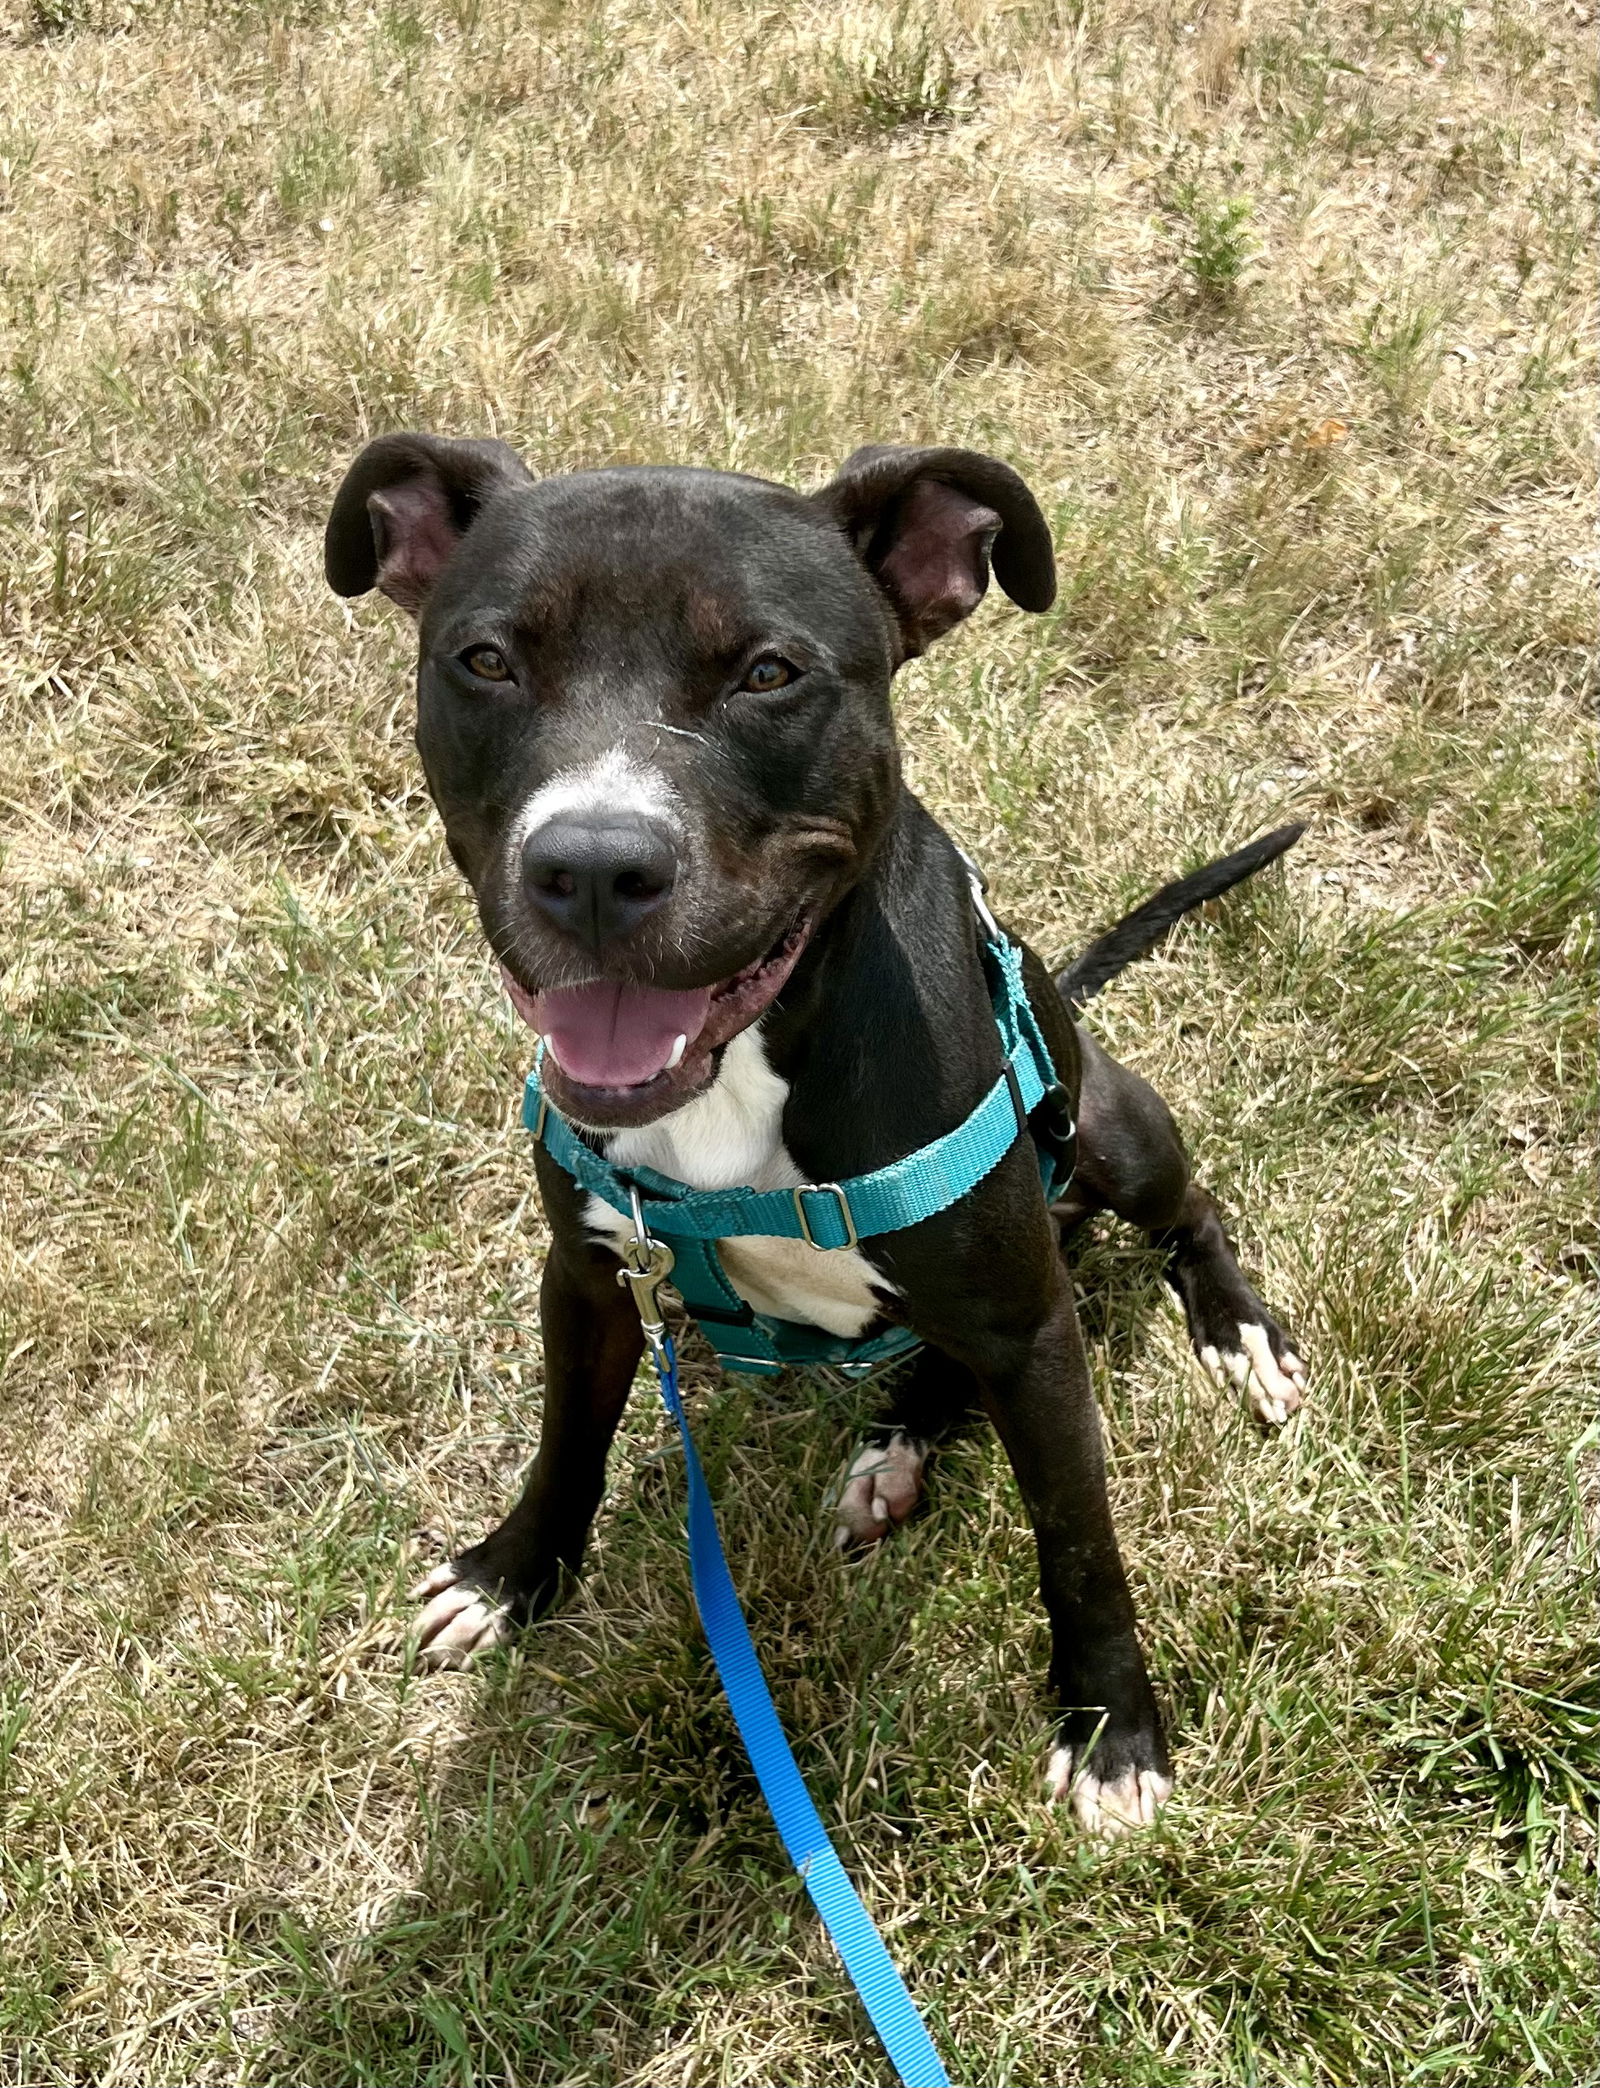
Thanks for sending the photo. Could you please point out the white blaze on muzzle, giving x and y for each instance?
(614, 785)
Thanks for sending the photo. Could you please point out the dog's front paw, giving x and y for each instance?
(882, 1486)
(1259, 1362)
(481, 1598)
(461, 1619)
(1109, 1805)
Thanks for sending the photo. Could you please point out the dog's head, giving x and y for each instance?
(653, 708)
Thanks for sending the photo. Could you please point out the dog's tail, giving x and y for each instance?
(1137, 934)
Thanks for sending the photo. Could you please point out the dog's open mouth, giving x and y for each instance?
(621, 1054)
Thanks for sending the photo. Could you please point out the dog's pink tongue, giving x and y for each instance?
(617, 1036)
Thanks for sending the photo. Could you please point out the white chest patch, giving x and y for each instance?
(731, 1137)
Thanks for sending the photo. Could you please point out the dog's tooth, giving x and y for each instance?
(550, 1046)
(676, 1053)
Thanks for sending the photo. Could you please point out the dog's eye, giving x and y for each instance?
(770, 672)
(486, 663)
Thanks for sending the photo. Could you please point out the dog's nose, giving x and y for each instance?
(597, 877)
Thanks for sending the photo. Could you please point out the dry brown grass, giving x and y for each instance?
(1281, 309)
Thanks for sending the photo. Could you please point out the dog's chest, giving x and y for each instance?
(731, 1137)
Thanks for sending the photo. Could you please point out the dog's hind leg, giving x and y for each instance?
(885, 1479)
(1131, 1160)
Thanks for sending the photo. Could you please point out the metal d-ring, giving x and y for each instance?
(980, 904)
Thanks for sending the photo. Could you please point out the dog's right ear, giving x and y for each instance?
(405, 504)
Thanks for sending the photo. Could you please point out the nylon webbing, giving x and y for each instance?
(855, 1935)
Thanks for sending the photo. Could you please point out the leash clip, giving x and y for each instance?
(646, 1265)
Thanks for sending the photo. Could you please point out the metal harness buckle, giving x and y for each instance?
(851, 1236)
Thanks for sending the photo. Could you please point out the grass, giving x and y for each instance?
(269, 1255)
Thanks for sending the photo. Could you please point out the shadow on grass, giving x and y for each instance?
(600, 1874)
(600, 1878)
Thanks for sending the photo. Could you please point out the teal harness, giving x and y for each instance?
(832, 1214)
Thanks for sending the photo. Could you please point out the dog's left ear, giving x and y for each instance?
(927, 523)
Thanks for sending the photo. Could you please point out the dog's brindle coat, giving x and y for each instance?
(654, 712)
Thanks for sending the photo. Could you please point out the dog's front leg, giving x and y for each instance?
(1111, 1756)
(592, 1345)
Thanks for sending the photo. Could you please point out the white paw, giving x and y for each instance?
(460, 1621)
(1106, 1810)
(882, 1486)
(1273, 1389)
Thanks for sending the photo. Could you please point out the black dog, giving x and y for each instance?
(653, 708)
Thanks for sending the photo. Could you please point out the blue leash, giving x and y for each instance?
(647, 1262)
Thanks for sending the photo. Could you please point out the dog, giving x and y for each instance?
(653, 709)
